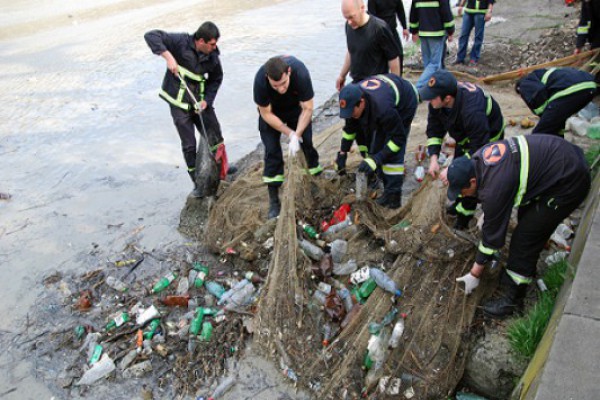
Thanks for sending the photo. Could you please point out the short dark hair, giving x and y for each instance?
(207, 31)
(276, 67)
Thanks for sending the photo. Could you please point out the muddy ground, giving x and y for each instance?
(91, 160)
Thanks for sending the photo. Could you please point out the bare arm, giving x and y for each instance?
(171, 63)
(305, 116)
(339, 83)
(394, 66)
(273, 120)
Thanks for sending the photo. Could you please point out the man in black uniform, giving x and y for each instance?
(470, 116)
(555, 94)
(544, 176)
(194, 58)
(378, 113)
(588, 29)
(284, 94)
(388, 10)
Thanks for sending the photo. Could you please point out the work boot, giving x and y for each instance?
(390, 200)
(196, 192)
(274, 204)
(508, 298)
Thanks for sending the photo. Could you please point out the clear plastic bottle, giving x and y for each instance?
(234, 289)
(240, 297)
(556, 257)
(312, 251)
(333, 229)
(324, 287)
(339, 248)
(100, 370)
(346, 297)
(564, 231)
(183, 286)
(560, 241)
(116, 284)
(320, 297)
(419, 173)
(361, 186)
(397, 332)
(214, 288)
(385, 282)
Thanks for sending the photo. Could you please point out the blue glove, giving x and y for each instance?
(368, 166)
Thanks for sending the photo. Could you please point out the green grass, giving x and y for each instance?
(591, 155)
(525, 333)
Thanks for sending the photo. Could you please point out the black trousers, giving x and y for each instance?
(537, 222)
(186, 122)
(271, 138)
(554, 117)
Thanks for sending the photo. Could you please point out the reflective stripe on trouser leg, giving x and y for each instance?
(518, 278)
(310, 153)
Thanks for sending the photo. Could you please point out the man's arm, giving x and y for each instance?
(159, 43)
(273, 120)
(339, 83)
(394, 66)
(213, 83)
(305, 116)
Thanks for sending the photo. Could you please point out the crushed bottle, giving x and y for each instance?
(346, 268)
(385, 282)
(339, 248)
(152, 327)
(100, 370)
(116, 284)
(556, 257)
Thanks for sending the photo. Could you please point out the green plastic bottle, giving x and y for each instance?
(367, 362)
(309, 230)
(118, 321)
(152, 327)
(164, 282)
(96, 354)
(196, 323)
(202, 274)
(207, 330)
(367, 288)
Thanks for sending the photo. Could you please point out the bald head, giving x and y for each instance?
(355, 13)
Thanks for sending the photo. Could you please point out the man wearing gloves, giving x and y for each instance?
(470, 116)
(284, 95)
(378, 113)
(546, 178)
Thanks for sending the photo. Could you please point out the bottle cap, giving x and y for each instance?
(398, 293)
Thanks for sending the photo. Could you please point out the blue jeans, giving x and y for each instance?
(476, 20)
(432, 51)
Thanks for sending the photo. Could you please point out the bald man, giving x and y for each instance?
(371, 46)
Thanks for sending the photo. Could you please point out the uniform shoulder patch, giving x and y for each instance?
(371, 84)
(493, 153)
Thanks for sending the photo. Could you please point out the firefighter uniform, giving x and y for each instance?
(389, 10)
(474, 120)
(382, 130)
(287, 107)
(588, 29)
(555, 94)
(203, 74)
(546, 178)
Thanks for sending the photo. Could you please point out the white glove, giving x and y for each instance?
(470, 282)
(294, 143)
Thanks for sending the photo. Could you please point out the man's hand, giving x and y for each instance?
(415, 37)
(405, 34)
(203, 105)
(340, 163)
(459, 11)
(368, 166)
(470, 282)
(339, 83)
(488, 16)
(444, 176)
(434, 166)
(450, 38)
(294, 145)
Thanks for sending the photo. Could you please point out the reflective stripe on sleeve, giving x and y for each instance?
(486, 250)
(393, 146)
(434, 141)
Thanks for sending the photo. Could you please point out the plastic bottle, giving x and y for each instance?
(128, 359)
(183, 286)
(560, 241)
(101, 369)
(361, 186)
(385, 282)
(309, 230)
(116, 284)
(138, 370)
(96, 354)
(339, 248)
(397, 332)
(376, 327)
(320, 297)
(564, 231)
(419, 173)
(556, 257)
(164, 282)
(324, 287)
(206, 333)
(333, 229)
(223, 387)
(253, 277)
(346, 297)
(148, 314)
(152, 327)
(365, 290)
(196, 323)
(235, 288)
(240, 297)
(175, 301)
(329, 332)
(346, 268)
(214, 288)
(202, 274)
(312, 251)
(117, 321)
(360, 276)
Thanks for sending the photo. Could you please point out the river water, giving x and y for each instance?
(88, 150)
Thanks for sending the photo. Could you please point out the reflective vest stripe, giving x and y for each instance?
(393, 169)
(270, 179)
(475, 10)
(392, 86)
(449, 24)
(565, 92)
(518, 278)
(178, 102)
(524, 170)
(427, 4)
(432, 33)
(499, 134)
(434, 141)
(413, 25)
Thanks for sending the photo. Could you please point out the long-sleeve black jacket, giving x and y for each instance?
(388, 10)
(181, 46)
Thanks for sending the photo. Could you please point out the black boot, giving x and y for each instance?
(390, 200)
(462, 222)
(196, 192)
(509, 298)
(274, 204)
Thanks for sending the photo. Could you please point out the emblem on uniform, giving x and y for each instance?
(370, 84)
(431, 82)
(493, 153)
(343, 103)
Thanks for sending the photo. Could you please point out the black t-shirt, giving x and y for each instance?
(300, 89)
(371, 47)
